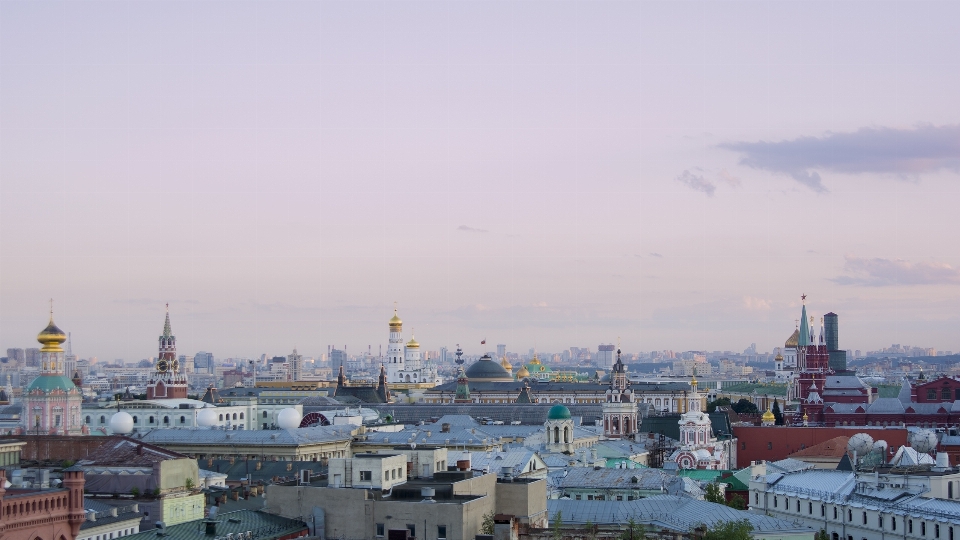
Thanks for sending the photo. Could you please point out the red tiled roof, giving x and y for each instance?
(835, 447)
(122, 451)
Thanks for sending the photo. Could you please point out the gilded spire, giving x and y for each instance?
(166, 324)
(51, 337)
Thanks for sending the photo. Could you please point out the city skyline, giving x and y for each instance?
(542, 174)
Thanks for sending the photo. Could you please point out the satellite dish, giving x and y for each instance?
(861, 443)
(923, 440)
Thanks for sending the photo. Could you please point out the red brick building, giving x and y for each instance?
(942, 390)
(42, 514)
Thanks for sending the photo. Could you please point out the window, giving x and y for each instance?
(945, 394)
(774, 501)
(619, 497)
(241, 416)
(380, 526)
(265, 415)
(849, 515)
(756, 498)
(88, 419)
(769, 446)
(413, 529)
(951, 533)
(810, 508)
(589, 497)
(923, 528)
(234, 416)
(823, 511)
(166, 419)
(366, 476)
(441, 532)
(221, 418)
(910, 526)
(150, 420)
(578, 497)
(864, 518)
(949, 490)
(880, 521)
(893, 523)
(103, 419)
(834, 512)
(936, 530)
(932, 393)
(183, 419)
(798, 505)
(136, 420)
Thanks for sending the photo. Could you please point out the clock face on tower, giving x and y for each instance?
(162, 366)
(176, 366)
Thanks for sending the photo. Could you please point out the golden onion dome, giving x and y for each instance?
(793, 340)
(395, 321)
(535, 361)
(506, 364)
(805, 417)
(413, 344)
(523, 372)
(768, 416)
(51, 337)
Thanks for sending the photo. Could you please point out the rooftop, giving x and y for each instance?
(259, 525)
(125, 452)
(259, 437)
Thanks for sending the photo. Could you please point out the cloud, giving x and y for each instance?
(697, 183)
(879, 272)
(471, 229)
(655, 254)
(730, 179)
(905, 153)
(756, 304)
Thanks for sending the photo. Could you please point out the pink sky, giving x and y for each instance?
(540, 174)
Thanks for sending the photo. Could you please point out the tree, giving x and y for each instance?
(745, 406)
(722, 402)
(135, 491)
(712, 493)
(189, 484)
(591, 530)
(486, 527)
(737, 503)
(556, 526)
(777, 415)
(728, 530)
(821, 535)
(635, 531)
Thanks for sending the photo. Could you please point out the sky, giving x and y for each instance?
(672, 175)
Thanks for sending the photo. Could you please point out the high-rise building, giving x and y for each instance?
(32, 357)
(203, 362)
(838, 358)
(16, 356)
(501, 350)
(295, 361)
(337, 357)
(605, 356)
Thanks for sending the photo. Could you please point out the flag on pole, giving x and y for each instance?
(483, 341)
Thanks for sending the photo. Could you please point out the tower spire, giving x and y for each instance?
(804, 338)
(166, 324)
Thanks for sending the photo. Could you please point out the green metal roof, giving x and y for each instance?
(702, 475)
(264, 527)
(558, 412)
(49, 383)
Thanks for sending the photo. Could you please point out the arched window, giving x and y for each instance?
(166, 419)
(136, 420)
(88, 419)
(221, 418)
(183, 419)
(566, 434)
(150, 420)
(241, 416)
(234, 416)
(103, 419)
(556, 434)
(264, 414)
